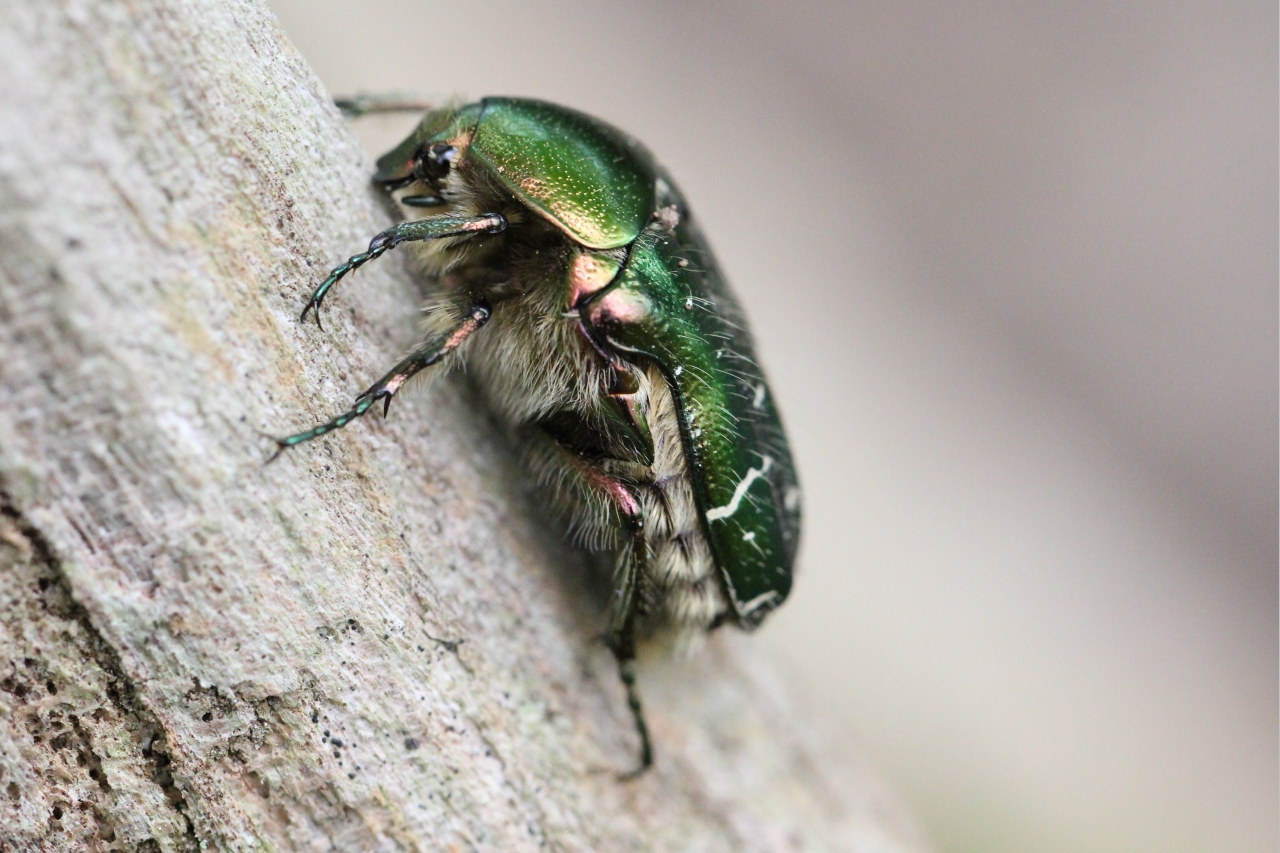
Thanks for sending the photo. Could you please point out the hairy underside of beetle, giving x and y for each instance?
(549, 384)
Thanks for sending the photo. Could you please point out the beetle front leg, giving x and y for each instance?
(386, 387)
(431, 228)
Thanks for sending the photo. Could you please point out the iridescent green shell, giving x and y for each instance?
(574, 169)
(671, 304)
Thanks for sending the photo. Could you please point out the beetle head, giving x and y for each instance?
(429, 152)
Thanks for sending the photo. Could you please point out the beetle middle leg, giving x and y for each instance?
(431, 228)
(386, 387)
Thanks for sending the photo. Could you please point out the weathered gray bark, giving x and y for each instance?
(200, 650)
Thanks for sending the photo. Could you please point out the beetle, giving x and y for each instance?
(565, 265)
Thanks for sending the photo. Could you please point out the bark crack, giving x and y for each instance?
(120, 689)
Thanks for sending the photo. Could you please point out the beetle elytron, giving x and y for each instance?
(567, 269)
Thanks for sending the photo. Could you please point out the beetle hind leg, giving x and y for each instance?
(623, 619)
(623, 644)
(605, 502)
(385, 102)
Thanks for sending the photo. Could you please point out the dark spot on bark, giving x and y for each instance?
(336, 742)
(57, 812)
(105, 831)
(207, 716)
(13, 791)
(259, 784)
(51, 687)
(315, 718)
(411, 743)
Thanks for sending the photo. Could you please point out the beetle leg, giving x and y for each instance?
(423, 201)
(431, 228)
(386, 102)
(386, 387)
(595, 486)
(623, 640)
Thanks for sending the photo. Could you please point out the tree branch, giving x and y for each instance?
(375, 643)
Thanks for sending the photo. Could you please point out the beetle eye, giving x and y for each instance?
(434, 161)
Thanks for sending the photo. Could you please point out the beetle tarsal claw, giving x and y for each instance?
(386, 240)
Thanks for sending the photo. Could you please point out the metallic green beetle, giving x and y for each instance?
(612, 348)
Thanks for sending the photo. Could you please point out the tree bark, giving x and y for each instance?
(375, 643)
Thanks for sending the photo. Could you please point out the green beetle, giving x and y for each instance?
(612, 348)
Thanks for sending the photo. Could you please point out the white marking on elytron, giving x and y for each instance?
(759, 601)
(678, 370)
(791, 499)
(750, 536)
(758, 400)
(740, 492)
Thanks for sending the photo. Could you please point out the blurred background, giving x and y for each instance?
(1013, 272)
